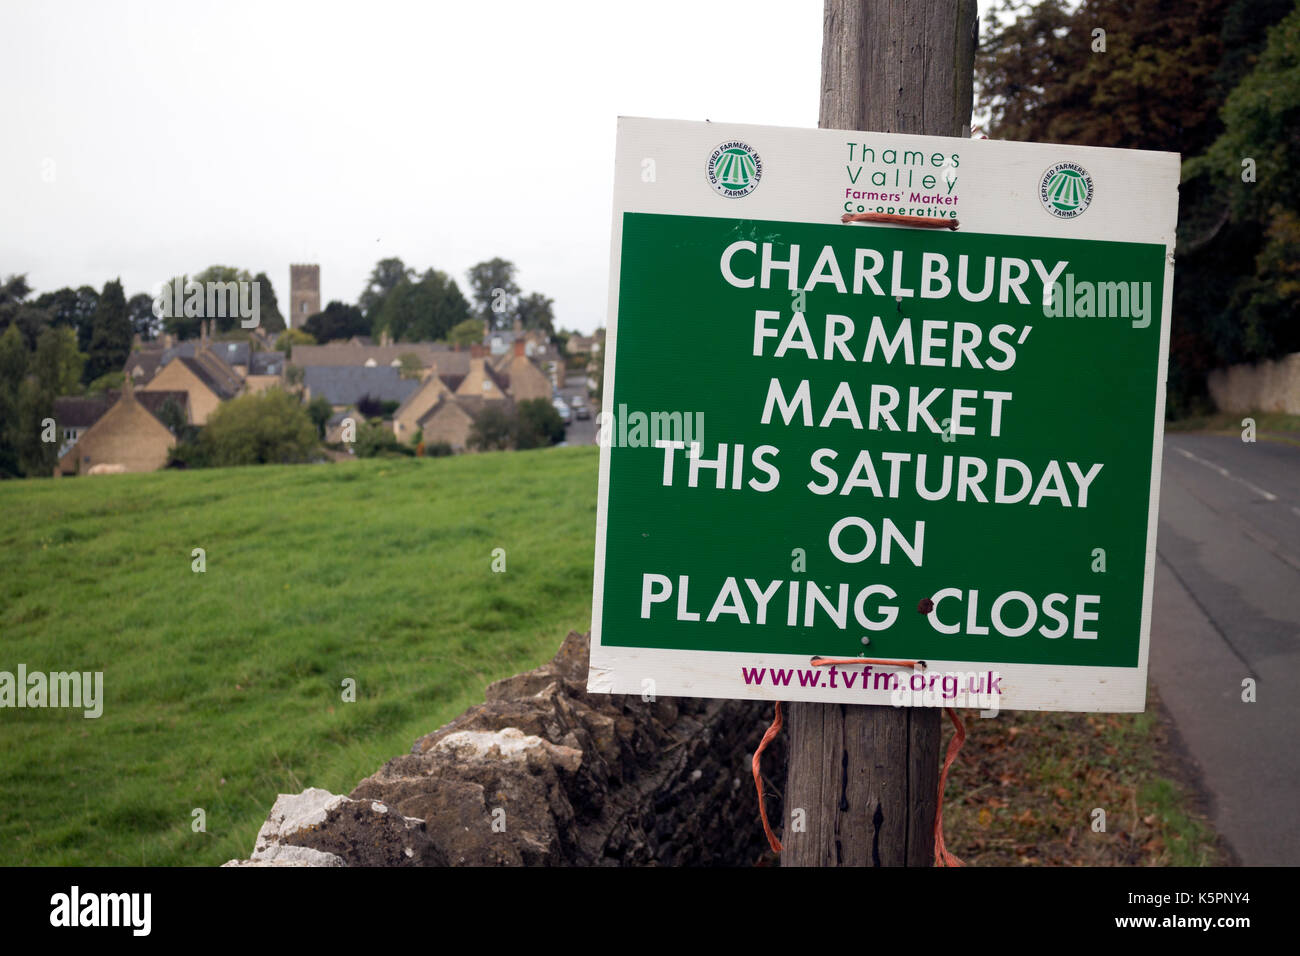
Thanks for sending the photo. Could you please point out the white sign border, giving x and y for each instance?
(672, 143)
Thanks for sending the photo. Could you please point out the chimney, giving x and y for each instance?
(476, 350)
(519, 348)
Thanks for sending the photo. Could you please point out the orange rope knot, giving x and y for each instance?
(896, 219)
(823, 661)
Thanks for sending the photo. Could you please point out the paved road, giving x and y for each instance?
(581, 431)
(1227, 607)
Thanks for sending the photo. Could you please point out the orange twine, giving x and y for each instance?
(941, 855)
(772, 731)
(897, 219)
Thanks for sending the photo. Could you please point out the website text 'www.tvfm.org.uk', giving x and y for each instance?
(919, 688)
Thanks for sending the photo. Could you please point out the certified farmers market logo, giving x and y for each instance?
(734, 169)
(1066, 190)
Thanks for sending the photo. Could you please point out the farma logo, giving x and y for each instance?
(734, 169)
(1066, 190)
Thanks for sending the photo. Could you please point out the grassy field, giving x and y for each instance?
(224, 688)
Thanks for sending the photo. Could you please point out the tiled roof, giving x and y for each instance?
(347, 385)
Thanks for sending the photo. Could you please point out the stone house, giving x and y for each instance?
(482, 381)
(128, 433)
(452, 417)
(406, 420)
(524, 380)
(207, 388)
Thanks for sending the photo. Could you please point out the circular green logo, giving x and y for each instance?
(1066, 190)
(734, 169)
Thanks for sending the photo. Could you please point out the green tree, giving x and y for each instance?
(53, 370)
(287, 339)
(1166, 73)
(139, 310)
(14, 289)
(1261, 136)
(493, 430)
(319, 410)
(74, 308)
(57, 363)
(177, 323)
(495, 293)
(536, 311)
(409, 365)
(271, 321)
(384, 278)
(110, 340)
(268, 428)
(423, 311)
(376, 441)
(108, 382)
(336, 321)
(36, 456)
(14, 359)
(223, 274)
(538, 425)
(30, 320)
(171, 414)
(468, 332)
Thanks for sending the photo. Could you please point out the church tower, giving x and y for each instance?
(304, 295)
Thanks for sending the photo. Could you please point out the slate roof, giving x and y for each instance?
(266, 363)
(148, 360)
(232, 353)
(347, 385)
(82, 411)
(472, 405)
(340, 353)
(219, 384)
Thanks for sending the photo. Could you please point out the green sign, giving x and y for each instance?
(870, 441)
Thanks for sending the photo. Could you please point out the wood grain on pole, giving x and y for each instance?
(867, 777)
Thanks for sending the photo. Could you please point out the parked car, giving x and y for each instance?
(563, 408)
(581, 410)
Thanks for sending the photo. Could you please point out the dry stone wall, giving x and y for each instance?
(544, 774)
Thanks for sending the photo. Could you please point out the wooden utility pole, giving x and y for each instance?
(866, 777)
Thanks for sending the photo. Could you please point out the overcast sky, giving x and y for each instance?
(143, 140)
